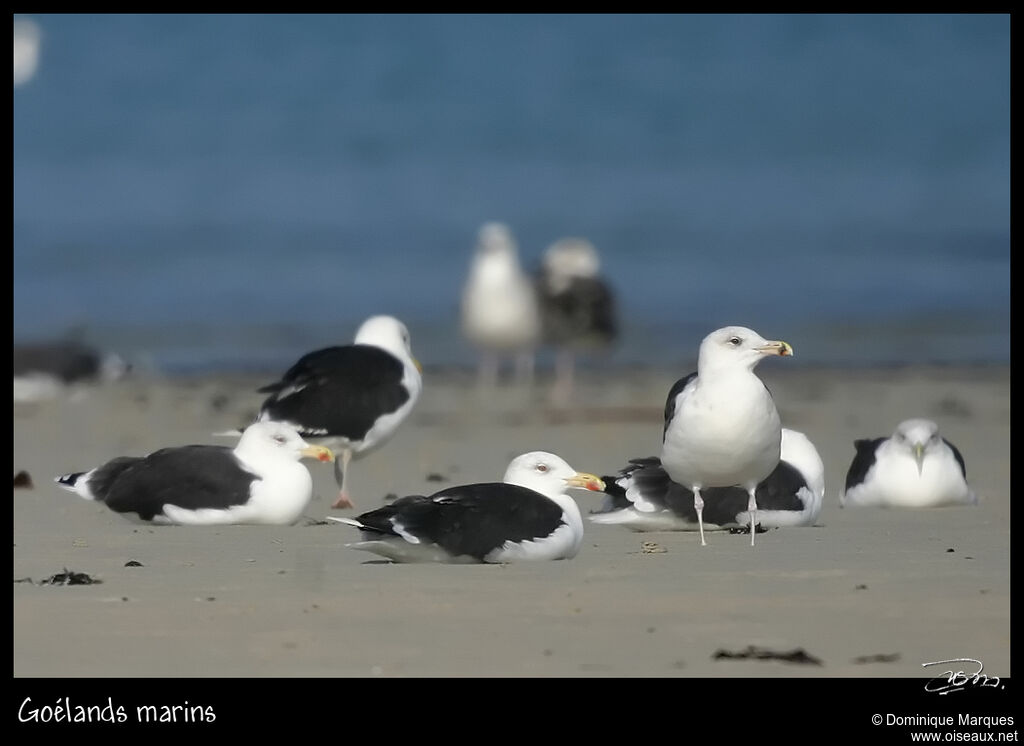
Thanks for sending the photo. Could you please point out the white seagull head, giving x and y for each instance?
(569, 258)
(548, 474)
(387, 333)
(917, 437)
(266, 439)
(497, 256)
(733, 346)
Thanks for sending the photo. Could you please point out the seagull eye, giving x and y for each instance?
(280, 439)
(542, 468)
(735, 341)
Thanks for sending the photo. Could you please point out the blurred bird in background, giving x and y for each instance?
(46, 369)
(500, 313)
(27, 39)
(578, 309)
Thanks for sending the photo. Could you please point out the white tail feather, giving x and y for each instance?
(349, 521)
(76, 482)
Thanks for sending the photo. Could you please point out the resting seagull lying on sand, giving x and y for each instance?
(259, 481)
(527, 516)
(915, 467)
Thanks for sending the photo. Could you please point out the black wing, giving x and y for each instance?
(190, 477)
(338, 391)
(721, 504)
(863, 460)
(653, 483)
(959, 458)
(670, 401)
(778, 491)
(583, 313)
(615, 491)
(104, 477)
(470, 520)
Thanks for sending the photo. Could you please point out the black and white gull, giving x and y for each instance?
(527, 516)
(721, 425)
(578, 307)
(915, 467)
(642, 497)
(260, 480)
(46, 369)
(351, 398)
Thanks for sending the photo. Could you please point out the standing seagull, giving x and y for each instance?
(721, 425)
(528, 516)
(500, 312)
(643, 497)
(577, 307)
(259, 481)
(913, 468)
(351, 398)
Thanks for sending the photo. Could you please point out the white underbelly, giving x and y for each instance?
(728, 436)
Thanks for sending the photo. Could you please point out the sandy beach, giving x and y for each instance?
(866, 593)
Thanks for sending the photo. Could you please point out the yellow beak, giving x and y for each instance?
(320, 453)
(776, 347)
(586, 481)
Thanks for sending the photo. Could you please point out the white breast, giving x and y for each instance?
(723, 435)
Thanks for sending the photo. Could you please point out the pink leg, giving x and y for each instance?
(340, 471)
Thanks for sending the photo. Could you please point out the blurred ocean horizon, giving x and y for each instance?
(226, 192)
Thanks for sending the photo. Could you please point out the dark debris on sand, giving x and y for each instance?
(752, 652)
(876, 658)
(746, 529)
(66, 577)
(70, 577)
(23, 479)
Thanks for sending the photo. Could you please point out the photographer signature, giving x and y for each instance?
(957, 680)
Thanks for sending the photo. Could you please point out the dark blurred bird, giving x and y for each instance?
(44, 369)
(578, 309)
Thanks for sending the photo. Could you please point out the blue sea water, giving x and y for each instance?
(228, 191)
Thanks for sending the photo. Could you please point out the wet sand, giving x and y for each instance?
(866, 593)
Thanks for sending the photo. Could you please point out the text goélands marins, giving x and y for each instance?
(65, 712)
